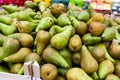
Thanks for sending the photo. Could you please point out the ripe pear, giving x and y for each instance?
(60, 40)
(18, 56)
(26, 27)
(112, 77)
(105, 67)
(56, 58)
(44, 24)
(33, 57)
(98, 53)
(75, 43)
(5, 19)
(10, 46)
(25, 39)
(7, 29)
(88, 62)
(89, 39)
(76, 58)
(42, 39)
(59, 77)
(67, 55)
(96, 28)
(63, 20)
(117, 69)
(15, 68)
(48, 71)
(80, 27)
(77, 74)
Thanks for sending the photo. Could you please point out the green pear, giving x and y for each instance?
(105, 67)
(42, 39)
(10, 8)
(3, 12)
(30, 4)
(77, 74)
(42, 6)
(56, 58)
(4, 69)
(72, 6)
(60, 40)
(108, 34)
(5, 19)
(30, 12)
(26, 27)
(113, 23)
(10, 46)
(117, 20)
(107, 55)
(7, 29)
(18, 56)
(25, 39)
(107, 21)
(52, 30)
(117, 69)
(79, 26)
(67, 55)
(76, 58)
(44, 23)
(48, 13)
(2, 38)
(33, 57)
(95, 76)
(83, 16)
(73, 13)
(38, 15)
(62, 71)
(75, 43)
(112, 77)
(89, 39)
(15, 68)
(63, 20)
(91, 11)
(59, 77)
(15, 23)
(88, 62)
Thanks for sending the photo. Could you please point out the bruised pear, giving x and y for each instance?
(42, 39)
(75, 43)
(96, 28)
(48, 71)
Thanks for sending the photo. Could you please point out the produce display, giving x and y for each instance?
(68, 43)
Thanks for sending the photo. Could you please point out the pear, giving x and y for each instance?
(18, 56)
(83, 16)
(7, 29)
(88, 62)
(38, 15)
(44, 23)
(107, 55)
(96, 28)
(75, 43)
(114, 50)
(57, 8)
(30, 4)
(10, 46)
(15, 23)
(5, 19)
(42, 39)
(108, 34)
(79, 26)
(112, 77)
(117, 20)
(48, 13)
(25, 39)
(56, 58)
(10, 8)
(62, 71)
(73, 13)
(105, 67)
(60, 40)
(71, 6)
(95, 76)
(60, 78)
(4, 69)
(117, 69)
(77, 74)
(63, 20)
(33, 57)
(76, 58)
(67, 55)
(91, 11)
(113, 23)
(89, 39)
(48, 71)
(15, 68)
(2, 38)
(107, 21)
(98, 53)
(26, 27)
(42, 6)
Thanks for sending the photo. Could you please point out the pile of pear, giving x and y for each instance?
(68, 43)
